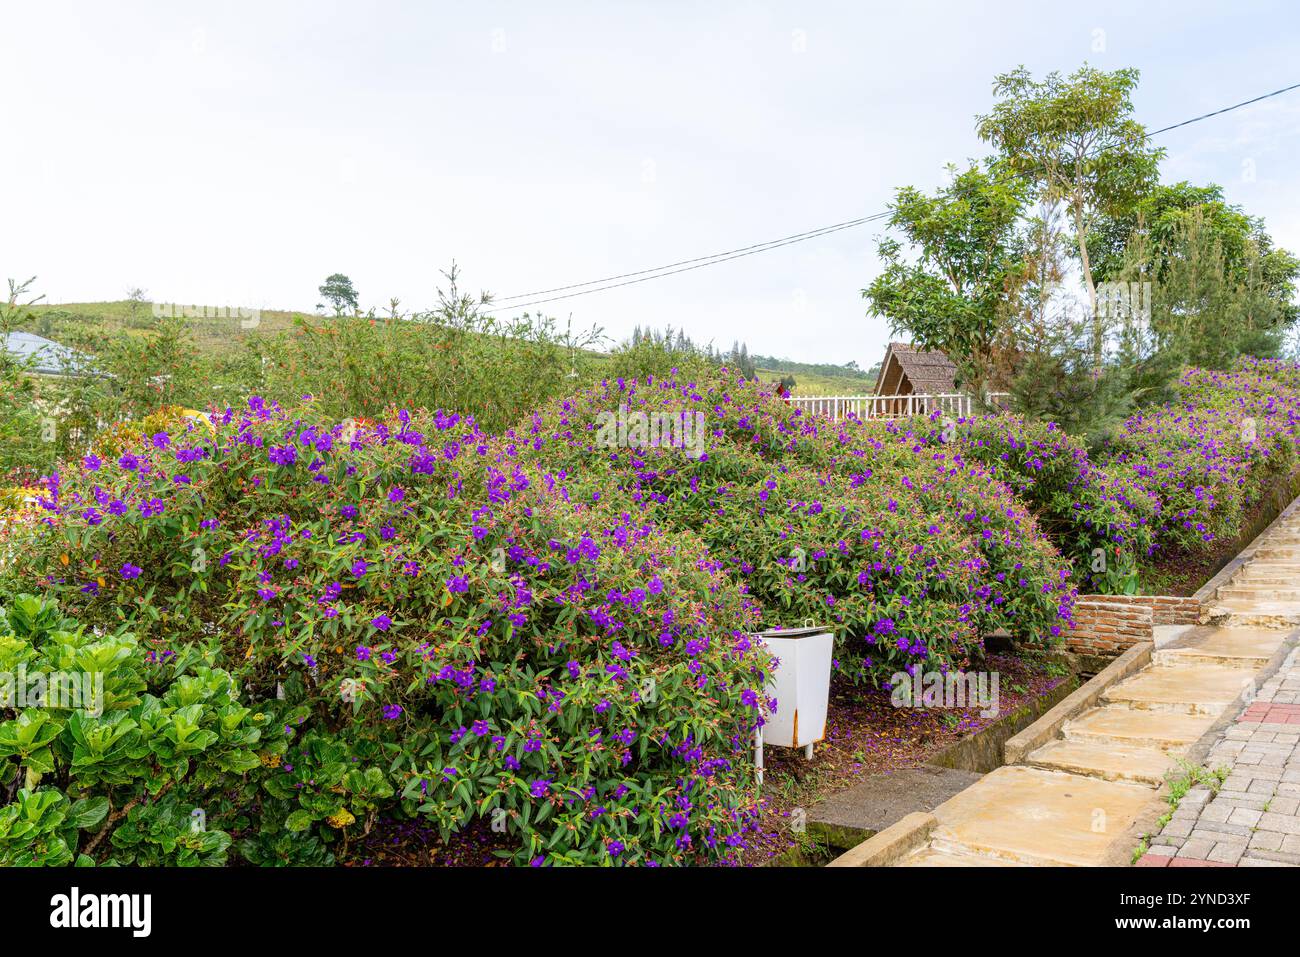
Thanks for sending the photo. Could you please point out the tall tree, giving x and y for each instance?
(1174, 226)
(951, 286)
(1076, 138)
(340, 294)
(1216, 294)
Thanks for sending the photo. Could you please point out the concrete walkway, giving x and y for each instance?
(1076, 800)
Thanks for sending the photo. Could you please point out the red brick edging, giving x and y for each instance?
(1157, 860)
(1266, 712)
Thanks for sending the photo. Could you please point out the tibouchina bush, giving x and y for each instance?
(506, 640)
(1176, 477)
(1104, 521)
(911, 553)
(1211, 455)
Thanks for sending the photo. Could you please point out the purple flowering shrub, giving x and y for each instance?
(1079, 505)
(911, 556)
(1211, 455)
(1173, 477)
(511, 641)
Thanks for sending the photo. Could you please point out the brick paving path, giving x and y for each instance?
(1254, 819)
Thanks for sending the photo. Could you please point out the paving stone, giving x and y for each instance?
(1196, 862)
(1227, 853)
(1280, 857)
(1196, 850)
(1216, 812)
(1266, 841)
(1279, 822)
(1256, 803)
(1246, 816)
(1217, 831)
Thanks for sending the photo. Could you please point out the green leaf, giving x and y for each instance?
(298, 821)
(88, 812)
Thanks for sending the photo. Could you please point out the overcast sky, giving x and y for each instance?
(237, 153)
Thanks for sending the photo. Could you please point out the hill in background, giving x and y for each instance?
(82, 322)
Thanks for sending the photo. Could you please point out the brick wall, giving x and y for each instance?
(1169, 610)
(1111, 624)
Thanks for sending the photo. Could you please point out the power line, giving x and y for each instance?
(1226, 109)
(809, 234)
(708, 260)
(699, 262)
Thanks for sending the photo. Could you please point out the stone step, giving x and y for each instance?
(1263, 578)
(1254, 591)
(1288, 570)
(1253, 614)
(1207, 689)
(1107, 760)
(1231, 647)
(1142, 729)
(1024, 815)
(934, 857)
(1270, 552)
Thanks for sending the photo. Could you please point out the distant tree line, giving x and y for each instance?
(676, 342)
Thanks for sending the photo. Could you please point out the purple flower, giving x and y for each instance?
(129, 571)
(382, 622)
(283, 456)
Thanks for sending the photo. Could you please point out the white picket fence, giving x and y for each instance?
(891, 406)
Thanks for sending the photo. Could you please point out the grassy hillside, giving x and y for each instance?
(78, 321)
(75, 320)
(819, 378)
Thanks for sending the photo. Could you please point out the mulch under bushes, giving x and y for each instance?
(397, 843)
